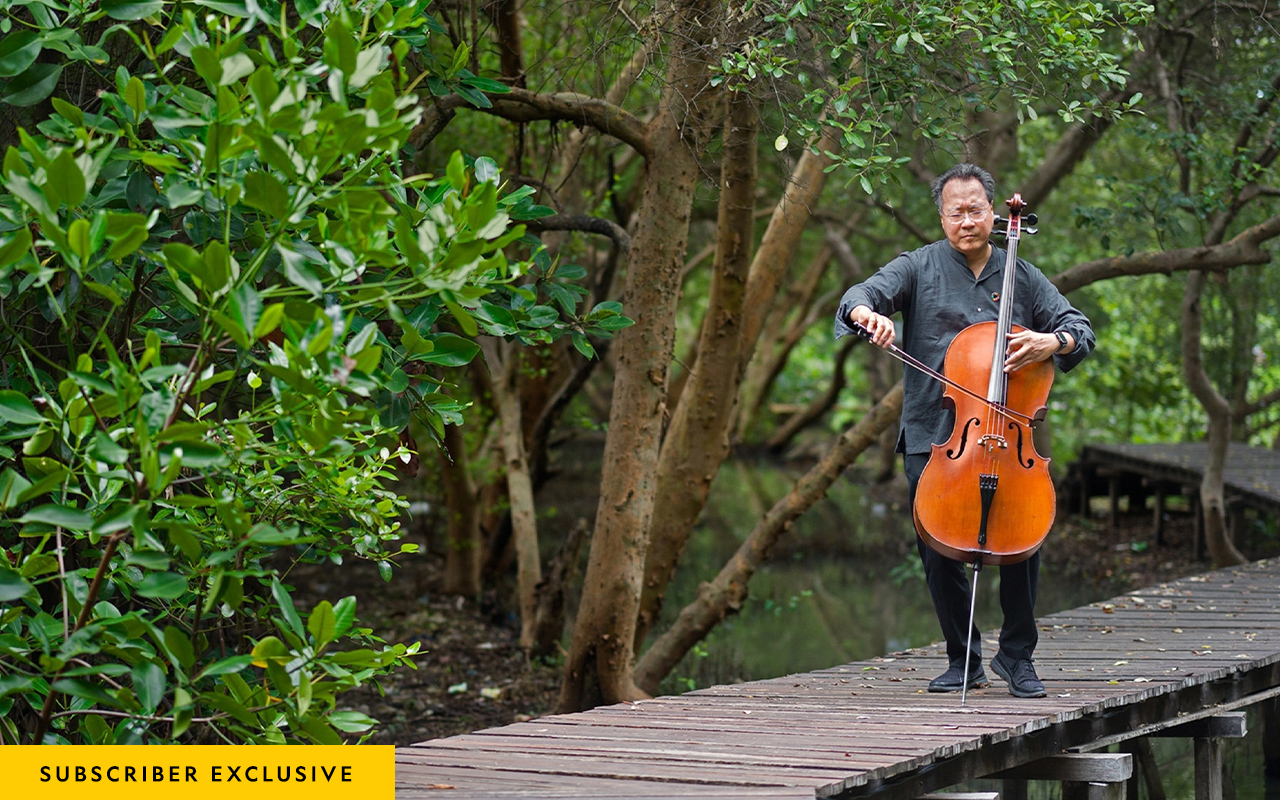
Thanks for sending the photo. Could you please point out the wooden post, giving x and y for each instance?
(1113, 498)
(1198, 513)
(1209, 769)
(1092, 791)
(1270, 713)
(1144, 768)
(1235, 522)
(1011, 789)
(1158, 522)
(1086, 475)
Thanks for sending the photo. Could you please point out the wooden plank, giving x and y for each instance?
(871, 728)
(1220, 726)
(1078, 767)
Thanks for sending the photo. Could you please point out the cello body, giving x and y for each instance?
(987, 447)
(986, 495)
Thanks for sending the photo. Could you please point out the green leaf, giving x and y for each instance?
(450, 350)
(135, 95)
(901, 44)
(179, 646)
(17, 247)
(269, 649)
(265, 192)
(32, 86)
(322, 623)
(163, 585)
(583, 346)
(486, 84)
(59, 516)
(19, 51)
(65, 180)
(285, 601)
(351, 721)
(15, 407)
(226, 666)
(269, 321)
(87, 690)
(148, 685)
(344, 614)
(78, 239)
(299, 272)
(228, 705)
(130, 10)
(119, 520)
(104, 448)
(72, 114)
(12, 485)
(12, 586)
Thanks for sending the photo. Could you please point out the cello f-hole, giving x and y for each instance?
(964, 438)
(1030, 461)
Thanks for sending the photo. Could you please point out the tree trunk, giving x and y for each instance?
(726, 593)
(695, 444)
(551, 593)
(1212, 504)
(462, 557)
(601, 653)
(504, 358)
(785, 325)
(818, 406)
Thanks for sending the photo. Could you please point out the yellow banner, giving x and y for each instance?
(199, 772)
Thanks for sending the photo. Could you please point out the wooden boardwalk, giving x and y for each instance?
(1252, 474)
(1117, 669)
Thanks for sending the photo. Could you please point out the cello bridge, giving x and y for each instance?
(991, 441)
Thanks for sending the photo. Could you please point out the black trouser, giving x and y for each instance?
(949, 588)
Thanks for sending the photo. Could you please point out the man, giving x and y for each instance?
(941, 289)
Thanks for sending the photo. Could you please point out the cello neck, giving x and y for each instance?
(998, 385)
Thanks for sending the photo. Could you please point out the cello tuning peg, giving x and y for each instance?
(1030, 219)
(1031, 231)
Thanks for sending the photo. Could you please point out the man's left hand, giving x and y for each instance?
(1029, 347)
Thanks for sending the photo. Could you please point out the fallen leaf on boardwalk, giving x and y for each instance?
(1114, 683)
(1108, 608)
(1068, 694)
(1177, 630)
(1120, 663)
(1243, 655)
(1141, 680)
(441, 786)
(746, 712)
(1139, 639)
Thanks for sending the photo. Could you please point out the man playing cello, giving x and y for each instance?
(941, 289)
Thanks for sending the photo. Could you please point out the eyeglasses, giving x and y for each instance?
(975, 214)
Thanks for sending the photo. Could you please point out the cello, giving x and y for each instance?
(985, 496)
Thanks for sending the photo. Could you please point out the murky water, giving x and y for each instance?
(845, 585)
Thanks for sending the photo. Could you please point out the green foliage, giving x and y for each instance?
(224, 299)
(869, 67)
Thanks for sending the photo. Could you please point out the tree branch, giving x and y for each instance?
(522, 105)
(1241, 250)
(585, 223)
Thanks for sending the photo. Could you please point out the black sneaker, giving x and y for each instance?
(1020, 675)
(949, 681)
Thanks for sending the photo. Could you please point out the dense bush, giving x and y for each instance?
(224, 299)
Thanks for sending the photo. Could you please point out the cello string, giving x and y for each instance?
(912, 361)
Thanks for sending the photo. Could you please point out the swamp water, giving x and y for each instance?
(844, 584)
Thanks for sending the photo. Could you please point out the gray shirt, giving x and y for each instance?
(938, 296)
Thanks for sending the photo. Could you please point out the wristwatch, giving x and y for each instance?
(1062, 341)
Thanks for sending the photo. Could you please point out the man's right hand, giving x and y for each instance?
(879, 326)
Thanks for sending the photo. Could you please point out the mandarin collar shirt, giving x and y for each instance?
(939, 296)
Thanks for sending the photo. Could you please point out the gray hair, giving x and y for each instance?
(964, 172)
